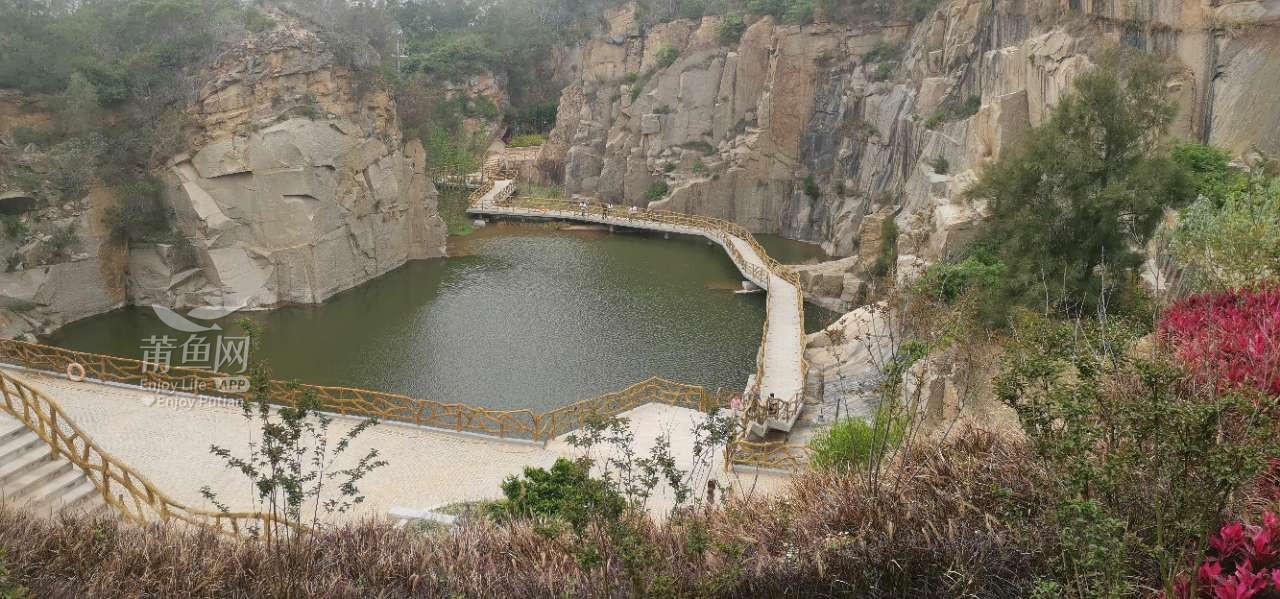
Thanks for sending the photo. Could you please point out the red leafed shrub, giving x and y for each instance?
(1243, 562)
(1231, 338)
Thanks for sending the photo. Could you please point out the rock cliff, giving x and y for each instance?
(295, 185)
(808, 131)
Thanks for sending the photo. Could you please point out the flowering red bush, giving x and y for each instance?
(1243, 563)
(1231, 338)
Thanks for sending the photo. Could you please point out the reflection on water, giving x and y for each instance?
(521, 317)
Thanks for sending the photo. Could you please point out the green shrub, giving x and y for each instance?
(139, 213)
(887, 260)
(731, 29)
(698, 167)
(257, 22)
(662, 109)
(656, 191)
(666, 56)
(1209, 169)
(1137, 462)
(526, 141)
(1231, 241)
(62, 239)
(940, 165)
(811, 188)
(883, 71)
(920, 9)
(855, 442)
(935, 120)
(692, 9)
(565, 492)
(40, 136)
(630, 77)
(14, 228)
(884, 52)
(948, 280)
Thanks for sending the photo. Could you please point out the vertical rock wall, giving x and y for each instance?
(805, 131)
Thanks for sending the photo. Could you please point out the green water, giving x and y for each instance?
(523, 316)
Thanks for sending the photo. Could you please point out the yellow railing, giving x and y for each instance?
(391, 407)
(779, 455)
(123, 488)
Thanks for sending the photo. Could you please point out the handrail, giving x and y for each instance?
(122, 487)
(392, 407)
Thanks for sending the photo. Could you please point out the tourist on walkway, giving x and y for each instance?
(604, 210)
(582, 208)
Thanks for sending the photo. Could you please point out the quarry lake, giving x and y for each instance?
(521, 316)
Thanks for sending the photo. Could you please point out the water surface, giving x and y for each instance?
(523, 316)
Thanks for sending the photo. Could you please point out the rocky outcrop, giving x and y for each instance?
(806, 131)
(297, 187)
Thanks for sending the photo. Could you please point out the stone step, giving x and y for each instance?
(52, 492)
(16, 448)
(27, 482)
(24, 458)
(11, 429)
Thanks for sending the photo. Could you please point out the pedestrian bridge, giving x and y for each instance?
(775, 395)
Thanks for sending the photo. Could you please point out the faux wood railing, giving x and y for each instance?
(122, 487)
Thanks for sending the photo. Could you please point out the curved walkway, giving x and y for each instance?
(167, 437)
(781, 369)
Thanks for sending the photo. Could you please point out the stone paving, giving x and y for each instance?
(167, 438)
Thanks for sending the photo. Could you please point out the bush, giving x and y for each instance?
(666, 56)
(940, 165)
(698, 167)
(731, 29)
(887, 260)
(656, 191)
(662, 109)
(526, 141)
(1139, 460)
(883, 71)
(920, 9)
(946, 281)
(63, 239)
(855, 442)
(1243, 561)
(1228, 339)
(139, 213)
(811, 188)
(566, 492)
(668, 166)
(14, 228)
(1208, 167)
(1227, 240)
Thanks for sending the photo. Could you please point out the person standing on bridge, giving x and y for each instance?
(604, 210)
(773, 405)
(582, 208)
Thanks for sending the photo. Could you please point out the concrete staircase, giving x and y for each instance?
(30, 476)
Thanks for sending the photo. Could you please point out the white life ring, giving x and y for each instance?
(75, 372)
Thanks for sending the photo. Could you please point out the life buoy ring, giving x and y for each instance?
(75, 372)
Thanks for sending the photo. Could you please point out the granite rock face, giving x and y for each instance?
(807, 131)
(296, 185)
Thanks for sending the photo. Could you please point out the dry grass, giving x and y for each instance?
(939, 531)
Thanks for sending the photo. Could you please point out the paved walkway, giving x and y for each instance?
(167, 439)
(782, 372)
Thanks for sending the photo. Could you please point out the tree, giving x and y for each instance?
(78, 105)
(1070, 203)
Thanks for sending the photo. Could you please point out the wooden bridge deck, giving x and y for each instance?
(781, 368)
